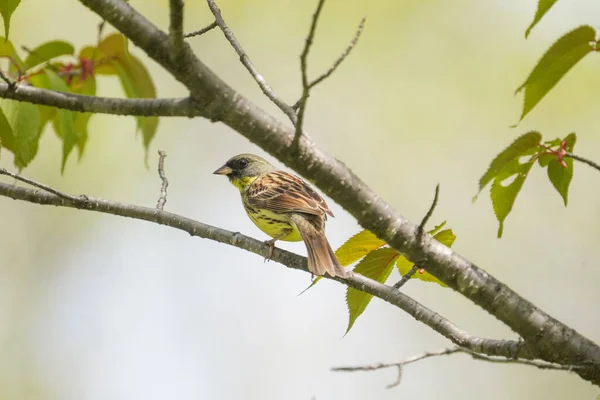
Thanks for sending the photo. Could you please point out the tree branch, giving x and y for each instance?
(182, 107)
(176, 27)
(162, 199)
(342, 57)
(554, 341)
(201, 31)
(583, 160)
(420, 234)
(304, 70)
(337, 62)
(453, 350)
(50, 196)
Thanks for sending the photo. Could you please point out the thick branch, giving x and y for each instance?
(176, 27)
(507, 348)
(555, 341)
(182, 107)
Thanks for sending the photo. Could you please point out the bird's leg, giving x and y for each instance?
(271, 243)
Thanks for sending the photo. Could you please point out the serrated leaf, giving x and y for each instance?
(559, 176)
(555, 63)
(544, 159)
(5, 130)
(503, 195)
(446, 237)
(354, 249)
(377, 265)
(524, 145)
(48, 51)
(81, 127)
(437, 228)
(357, 247)
(542, 9)
(8, 50)
(137, 83)
(112, 57)
(102, 64)
(23, 137)
(64, 120)
(7, 7)
(46, 112)
(114, 46)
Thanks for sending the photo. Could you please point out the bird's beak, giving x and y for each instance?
(224, 170)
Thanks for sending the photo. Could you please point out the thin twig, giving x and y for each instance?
(583, 160)
(176, 27)
(11, 84)
(407, 276)
(245, 60)
(304, 70)
(340, 59)
(162, 200)
(421, 228)
(419, 237)
(453, 350)
(201, 31)
(74, 199)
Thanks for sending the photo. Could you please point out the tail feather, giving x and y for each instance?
(321, 257)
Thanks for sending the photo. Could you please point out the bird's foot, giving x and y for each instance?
(271, 244)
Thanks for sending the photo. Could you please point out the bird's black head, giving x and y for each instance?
(243, 169)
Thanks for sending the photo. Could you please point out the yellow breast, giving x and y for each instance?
(274, 225)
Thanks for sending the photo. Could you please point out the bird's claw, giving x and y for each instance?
(271, 244)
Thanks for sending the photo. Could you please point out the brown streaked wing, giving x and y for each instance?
(281, 192)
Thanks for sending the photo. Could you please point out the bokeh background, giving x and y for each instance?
(99, 307)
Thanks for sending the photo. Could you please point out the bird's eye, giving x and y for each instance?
(243, 163)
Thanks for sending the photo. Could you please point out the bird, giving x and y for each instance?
(284, 207)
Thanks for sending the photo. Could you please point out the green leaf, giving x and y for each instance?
(7, 7)
(64, 125)
(137, 83)
(524, 145)
(23, 136)
(81, 127)
(112, 56)
(8, 50)
(446, 237)
(354, 249)
(377, 265)
(559, 176)
(544, 159)
(114, 46)
(555, 63)
(87, 87)
(503, 195)
(48, 51)
(542, 9)
(437, 228)
(64, 120)
(357, 247)
(101, 61)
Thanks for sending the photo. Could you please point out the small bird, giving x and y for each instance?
(284, 207)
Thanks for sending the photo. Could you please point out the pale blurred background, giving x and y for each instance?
(98, 307)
